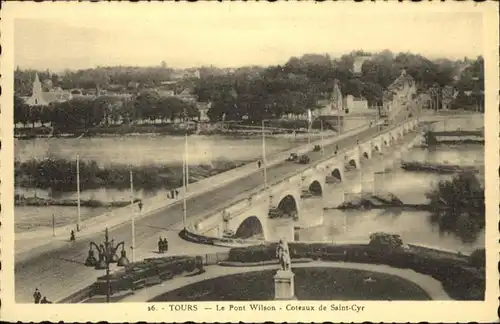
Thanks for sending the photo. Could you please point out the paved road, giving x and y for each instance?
(63, 267)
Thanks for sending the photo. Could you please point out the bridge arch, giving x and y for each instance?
(288, 206)
(336, 174)
(352, 163)
(250, 227)
(315, 188)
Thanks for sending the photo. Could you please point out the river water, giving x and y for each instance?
(410, 187)
(132, 150)
(413, 226)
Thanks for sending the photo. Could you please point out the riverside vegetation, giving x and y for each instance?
(60, 174)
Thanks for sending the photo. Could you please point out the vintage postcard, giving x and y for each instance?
(294, 161)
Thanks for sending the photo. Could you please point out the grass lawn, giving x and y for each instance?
(318, 283)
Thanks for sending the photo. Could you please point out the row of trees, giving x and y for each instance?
(83, 113)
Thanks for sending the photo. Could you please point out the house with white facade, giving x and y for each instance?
(335, 105)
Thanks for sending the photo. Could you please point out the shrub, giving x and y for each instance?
(164, 268)
(255, 253)
(478, 258)
(385, 240)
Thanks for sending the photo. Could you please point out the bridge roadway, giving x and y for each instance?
(61, 269)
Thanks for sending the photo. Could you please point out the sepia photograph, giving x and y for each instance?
(277, 161)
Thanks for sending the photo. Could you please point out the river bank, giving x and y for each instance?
(60, 174)
(440, 168)
(20, 200)
(272, 127)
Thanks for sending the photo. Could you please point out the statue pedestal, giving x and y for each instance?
(283, 285)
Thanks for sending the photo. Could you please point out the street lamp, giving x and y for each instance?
(107, 255)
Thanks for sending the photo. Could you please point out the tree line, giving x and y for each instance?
(85, 113)
(252, 93)
(300, 83)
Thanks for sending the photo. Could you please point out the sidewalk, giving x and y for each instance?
(146, 249)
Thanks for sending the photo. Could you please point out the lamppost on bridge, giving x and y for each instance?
(107, 255)
(264, 160)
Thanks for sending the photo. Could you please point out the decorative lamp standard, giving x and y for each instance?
(106, 256)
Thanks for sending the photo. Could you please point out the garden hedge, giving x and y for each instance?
(148, 271)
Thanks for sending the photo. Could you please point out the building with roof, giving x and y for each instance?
(356, 104)
(358, 63)
(44, 98)
(335, 105)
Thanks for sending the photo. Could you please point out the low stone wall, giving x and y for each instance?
(216, 241)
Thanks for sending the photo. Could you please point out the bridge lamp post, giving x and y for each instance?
(133, 214)
(264, 160)
(107, 255)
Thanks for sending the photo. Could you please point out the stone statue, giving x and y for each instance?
(283, 254)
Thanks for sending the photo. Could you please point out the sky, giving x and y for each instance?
(232, 35)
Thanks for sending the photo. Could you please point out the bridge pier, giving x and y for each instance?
(281, 229)
(379, 181)
(334, 196)
(362, 181)
(367, 181)
(311, 214)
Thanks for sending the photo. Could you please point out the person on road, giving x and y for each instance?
(259, 164)
(165, 245)
(72, 236)
(37, 296)
(45, 301)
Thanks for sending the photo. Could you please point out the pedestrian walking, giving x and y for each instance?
(259, 163)
(37, 296)
(72, 236)
(176, 193)
(165, 245)
(160, 245)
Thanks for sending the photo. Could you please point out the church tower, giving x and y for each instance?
(37, 94)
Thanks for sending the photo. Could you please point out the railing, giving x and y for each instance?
(259, 189)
